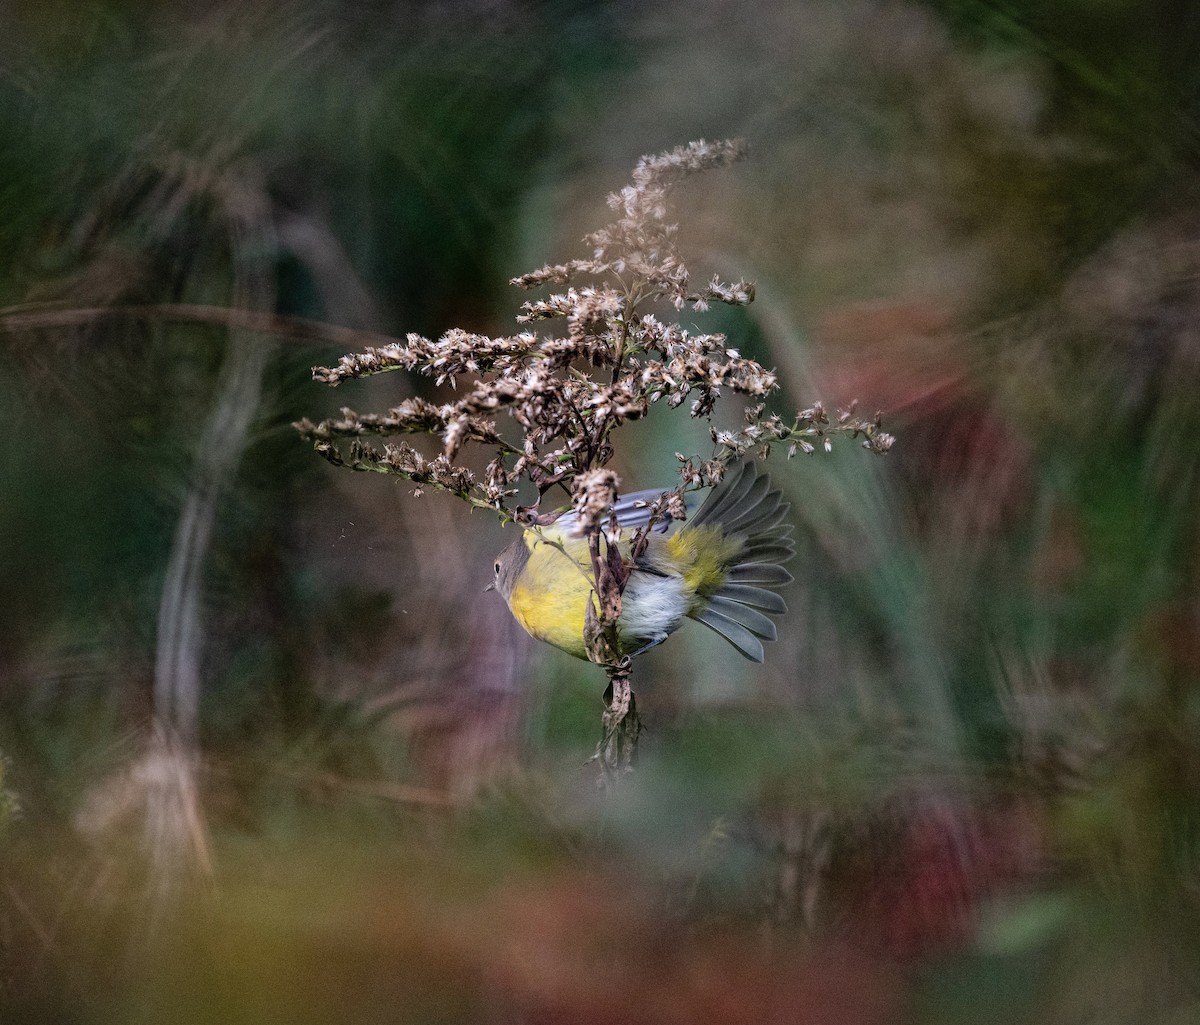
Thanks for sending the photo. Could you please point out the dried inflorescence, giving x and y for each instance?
(567, 392)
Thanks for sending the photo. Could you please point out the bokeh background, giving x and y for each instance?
(965, 787)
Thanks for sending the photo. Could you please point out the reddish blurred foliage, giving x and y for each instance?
(1170, 636)
(894, 352)
(582, 950)
(564, 948)
(965, 456)
(924, 892)
(1059, 558)
(1170, 631)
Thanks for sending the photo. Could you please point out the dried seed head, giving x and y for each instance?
(547, 404)
(593, 496)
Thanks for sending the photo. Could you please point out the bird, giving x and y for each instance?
(717, 568)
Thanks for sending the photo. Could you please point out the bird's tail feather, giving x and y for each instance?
(744, 505)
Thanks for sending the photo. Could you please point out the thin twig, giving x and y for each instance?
(19, 319)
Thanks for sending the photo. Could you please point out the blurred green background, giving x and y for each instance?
(965, 787)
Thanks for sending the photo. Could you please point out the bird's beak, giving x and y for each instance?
(490, 587)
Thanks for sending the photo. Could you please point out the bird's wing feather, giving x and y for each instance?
(734, 633)
(633, 512)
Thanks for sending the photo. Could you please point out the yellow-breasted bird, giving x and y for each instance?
(716, 569)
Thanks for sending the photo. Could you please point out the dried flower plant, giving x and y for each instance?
(568, 392)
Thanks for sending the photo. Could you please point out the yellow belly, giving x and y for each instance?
(550, 597)
(550, 600)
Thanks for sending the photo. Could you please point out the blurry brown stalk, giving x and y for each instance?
(39, 317)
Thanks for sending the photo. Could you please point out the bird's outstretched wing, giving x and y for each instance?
(633, 512)
(745, 508)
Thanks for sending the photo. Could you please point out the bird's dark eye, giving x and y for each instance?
(497, 569)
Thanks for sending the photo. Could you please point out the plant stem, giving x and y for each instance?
(617, 750)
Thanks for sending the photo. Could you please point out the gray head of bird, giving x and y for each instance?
(508, 566)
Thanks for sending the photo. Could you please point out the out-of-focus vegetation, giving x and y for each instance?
(963, 787)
